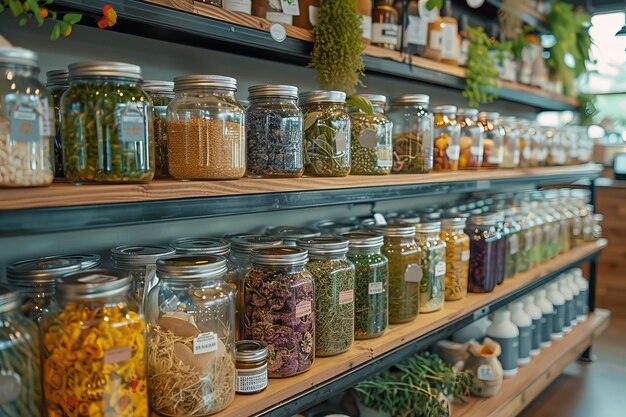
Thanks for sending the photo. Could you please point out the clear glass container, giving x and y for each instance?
(493, 152)
(557, 153)
(484, 239)
(190, 313)
(241, 249)
(94, 333)
(385, 25)
(570, 141)
(274, 126)
(206, 132)
(513, 241)
(472, 139)
(538, 147)
(290, 234)
(502, 232)
(280, 308)
(457, 257)
(326, 133)
(251, 367)
(527, 239)
(525, 140)
(19, 360)
(413, 127)
(511, 155)
(447, 139)
(107, 125)
(540, 238)
(371, 284)
(371, 138)
(588, 223)
(333, 277)
(162, 94)
(433, 264)
(26, 122)
(57, 82)
(596, 231)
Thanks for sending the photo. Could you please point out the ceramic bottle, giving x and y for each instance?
(524, 324)
(558, 301)
(547, 314)
(506, 334)
(535, 314)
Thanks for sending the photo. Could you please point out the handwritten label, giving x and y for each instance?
(303, 308)
(440, 269)
(112, 356)
(485, 373)
(465, 255)
(375, 288)
(25, 126)
(132, 128)
(413, 273)
(346, 297)
(205, 343)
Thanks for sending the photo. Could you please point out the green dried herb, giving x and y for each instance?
(371, 135)
(371, 289)
(404, 295)
(433, 264)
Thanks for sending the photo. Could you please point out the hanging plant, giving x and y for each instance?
(481, 75)
(337, 49)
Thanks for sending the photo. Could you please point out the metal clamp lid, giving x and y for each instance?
(190, 82)
(411, 99)
(201, 245)
(93, 284)
(321, 96)
(324, 245)
(158, 86)
(41, 270)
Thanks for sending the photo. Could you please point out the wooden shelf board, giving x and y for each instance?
(521, 390)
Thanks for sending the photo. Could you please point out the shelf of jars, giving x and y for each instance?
(518, 392)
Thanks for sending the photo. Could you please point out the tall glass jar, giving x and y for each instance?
(19, 360)
(106, 121)
(472, 139)
(326, 133)
(484, 245)
(457, 257)
(333, 277)
(511, 155)
(539, 238)
(191, 331)
(57, 82)
(493, 153)
(513, 240)
(371, 284)
(291, 234)
(405, 274)
(274, 128)
(525, 140)
(241, 249)
(280, 308)
(371, 134)
(94, 334)
(502, 233)
(447, 139)
(527, 239)
(209, 246)
(162, 94)
(385, 25)
(538, 147)
(413, 127)
(26, 122)
(206, 132)
(433, 264)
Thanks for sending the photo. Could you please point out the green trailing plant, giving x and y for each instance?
(37, 11)
(481, 84)
(337, 49)
(418, 386)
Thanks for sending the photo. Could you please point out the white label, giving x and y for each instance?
(112, 356)
(10, 386)
(346, 297)
(314, 15)
(290, 7)
(380, 219)
(367, 138)
(278, 17)
(366, 27)
(205, 343)
(341, 141)
(453, 152)
(528, 237)
(485, 373)
(513, 244)
(251, 380)
(132, 128)
(241, 6)
(303, 308)
(413, 273)
(416, 31)
(375, 288)
(465, 255)
(435, 40)
(440, 269)
(385, 33)
(448, 41)
(526, 153)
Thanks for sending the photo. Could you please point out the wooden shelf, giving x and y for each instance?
(518, 392)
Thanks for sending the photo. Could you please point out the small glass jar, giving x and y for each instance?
(513, 241)
(333, 277)
(326, 133)
(290, 234)
(413, 127)
(472, 139)
(26, 122)
(588, 223)
(20, 366)
(596, 231)
(511, 155)
(162, 94)
(57, 82)
(94, 332)
(371, 135)
(586, 145)
(447, 139)
(539, 238)
(280, 308)
(385, 25)
(274, 126)
(526, 240)
(493, 151)
(525, 140)
(433, 264)
(136, 260)
(502, 234)
(457, 257)
(191, 331)
(538, 148)
(484, 245)
(250, 367)
(405, 274)
(561, 203)
(556, 219)
(371, 284)
(205, 127)
(106, 119)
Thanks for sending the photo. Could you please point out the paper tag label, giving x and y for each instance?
(413, 273)
(375, 288)
(453, 152)
(303, 308)
(513, 244)
(277, 17)
(314, 15)
(385, 33)
(380, 219)
(485, 373)
(290, 7)
(241, 6)
(366, 27)
(435, 40)
(112, 356)
(205, 343)
(346, 297)
(448, 41)
(465, 255)
(132, 128)
(340, 141)
(440, 269)
(251, 380)
(10, 386)
(416, 31)
(25, 125)
(367, 138)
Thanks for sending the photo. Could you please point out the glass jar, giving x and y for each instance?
(137, 260)
(280, 308)
(371, 284)
(385, 25)
(274, 132)
(250, 367)
(447, 139)
(538, 149)
(405, 274)
(333, 277)
(57, 82)
(472, 139)
(364, 10)
(94, 334)
(273, 11)
(539, 239)
(205, 125)
(457, 257)
(433, 265)
(525, 140)
(596, 230)
(26, 122)
(19, 360)
(241, 249)
(526, 240)
(502, 233)
(484, 245)
(241, 6)
(191, 337)
(107, 125)
(162, 94)
(413, 25)
(511, 155)
(413, 127)
(493, 151)
(371, 135)
(513, 239)
(290, 234)
(588, 223)
(326, 133)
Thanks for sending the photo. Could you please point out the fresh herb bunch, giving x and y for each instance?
(481, 84)
(417, 386)
(338, 47)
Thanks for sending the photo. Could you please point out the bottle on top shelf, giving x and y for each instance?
(547, 321)
(535, 314)
(385, 25)
(506, 334)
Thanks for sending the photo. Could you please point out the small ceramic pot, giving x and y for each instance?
(483, 361)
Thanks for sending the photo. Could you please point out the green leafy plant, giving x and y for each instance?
(337, 49)
(481, 84)
(431, 4)
(360, 103)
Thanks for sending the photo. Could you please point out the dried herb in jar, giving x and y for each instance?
(161, 93)
(457, 258)
(433, 264)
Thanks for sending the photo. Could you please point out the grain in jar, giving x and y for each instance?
(457, 257)
(472, 139)
(433, 264)
(447, 139)
(493, 151)
(161, 93)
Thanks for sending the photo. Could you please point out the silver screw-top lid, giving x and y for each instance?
(138, 255)
(467, 112)
(428, 227)
(40, 271)
(374, 98)
(324, 245)
(292, 233)
(269, 90)
(486, 219)
(279, 256)
(87, 260)
(250, 351)
(333, 227)
(453, 222)
(409, 99)
(489, 115)
(158, 86)
(60, 77)
(321, 96)
(201, 245)
(358, 240)
(9, 299)
(190, 82)
(395, 230)
(445, 109)
(94, 69)
(246, 243)
(17, 56)
(92, 284)
(191, 267)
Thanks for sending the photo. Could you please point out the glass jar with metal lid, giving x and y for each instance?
(138, 261)
(413, 127)
(433, 265)
(242, 246)
(290, 234)
(333, 277)
(371, 286)
(513, 242)
(447, 139)
(484, 239)
(274, 129)
(326, 133)
(493, 150)
(106, 124)
(279, 296)
(205, 127)
(510, 143)
(26, 122)
(250, 366)
(457, 257)
(371, 135)
(191, 331)
(19, 359)
(502, 232)
(472, 139)
(57, 82)
(94, 332)
(526, 239)
(405, 274)
(161, 93)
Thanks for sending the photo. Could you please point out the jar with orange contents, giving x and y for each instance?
(493, 150)
(472, 138)
(447, 139)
